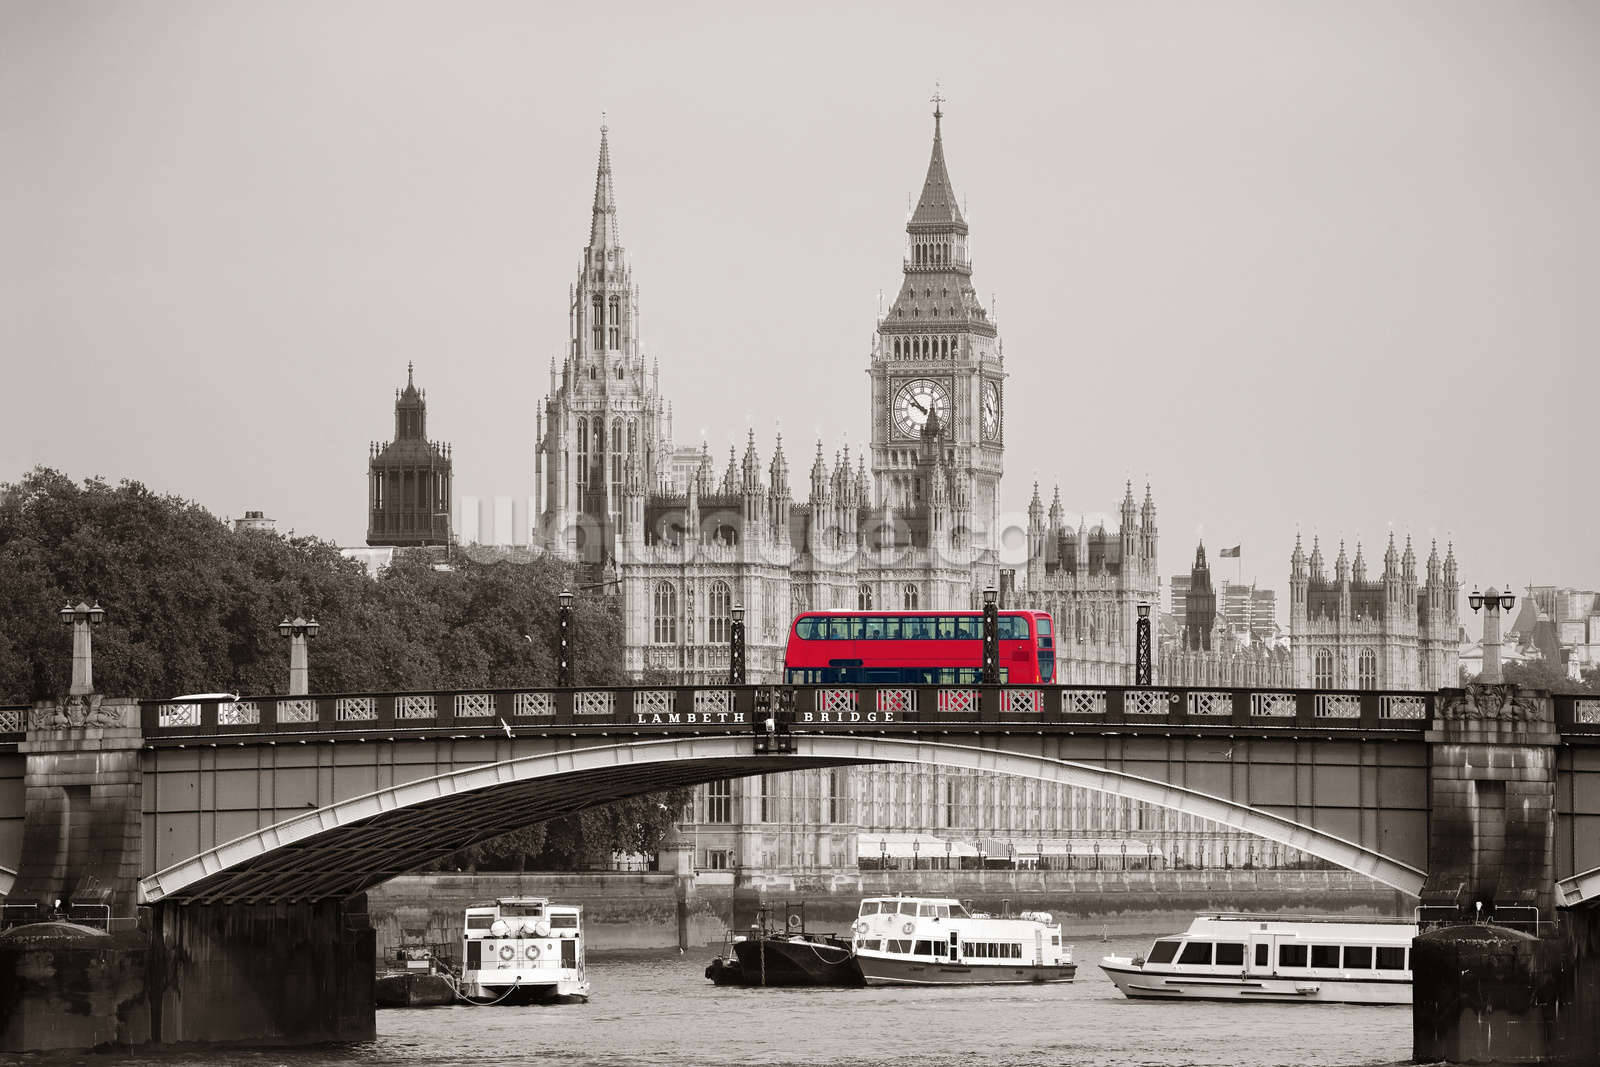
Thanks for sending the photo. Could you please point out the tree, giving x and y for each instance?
(193, 606)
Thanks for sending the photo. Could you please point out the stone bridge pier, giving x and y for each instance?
(96, 970)
(1493, 971)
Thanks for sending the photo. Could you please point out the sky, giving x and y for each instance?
(1318, 267)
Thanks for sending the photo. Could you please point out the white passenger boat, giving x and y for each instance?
(1245, 957)
(522, 950)
(937, 941)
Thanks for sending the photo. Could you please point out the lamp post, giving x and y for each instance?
(81, 617)
(947, 855)
(916, 848)
(991, 636)
(1011, 855)
(1041, 854)
(736, 647)
(1141, 662)
(564, 641)
(298, 631)
(1491, 602)
(883, 854)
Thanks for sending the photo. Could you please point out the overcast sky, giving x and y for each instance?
(1328, 267)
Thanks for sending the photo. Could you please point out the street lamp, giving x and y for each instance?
(1141, 662)
(298, 631)
(81, 617)
(1492, 602)
(1041, 854)
(736, 647)
(1011, 855)
(883, 854)
(947, 855)
(916, 847)
(564, 637)
(991, 636)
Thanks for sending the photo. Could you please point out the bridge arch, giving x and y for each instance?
(349, 846)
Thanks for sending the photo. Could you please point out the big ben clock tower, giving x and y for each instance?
(937, 353)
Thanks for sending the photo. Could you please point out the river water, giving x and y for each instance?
(658, 1009)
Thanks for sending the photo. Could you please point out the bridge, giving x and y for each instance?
(228, 822)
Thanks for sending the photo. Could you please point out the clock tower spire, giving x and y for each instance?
(936, 354)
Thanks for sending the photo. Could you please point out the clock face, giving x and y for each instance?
(991, 411)
(916, 400)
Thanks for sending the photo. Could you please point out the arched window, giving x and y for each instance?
(719, 617)
(864, 597)
(583, 451)
(597, 327)
(614, 337)
(666, 620)
(1322, 671)
(909, 597)
(1367, 669)
(633, 437)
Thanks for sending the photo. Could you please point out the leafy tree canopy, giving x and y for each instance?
(193, 606)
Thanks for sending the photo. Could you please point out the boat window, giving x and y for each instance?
(871, 945)
(898, 944)
(959, 911)
(1357, 958)
(479, 922)
(925, 909)
(1230, 954)
(927, 948)
(1055, 939)
(869, 907)
(908, 907)
(1291, 955)
(1261, 955)
(942, 910)
(563, 922)
(1324, 955)
(1163, 951)
(1392, 958)
(1196, 952)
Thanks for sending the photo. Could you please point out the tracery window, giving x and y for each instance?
(597, 326)
(719, 619)
(1322, 671)
(864, 597)
(1367, 669)
(909, 597)
(666, 616)
(614, 336)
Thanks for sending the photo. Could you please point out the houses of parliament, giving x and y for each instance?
(908, 523)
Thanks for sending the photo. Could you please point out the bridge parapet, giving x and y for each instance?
(656, 709)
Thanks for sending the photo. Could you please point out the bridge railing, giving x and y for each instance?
(13, 721)
(702, 709)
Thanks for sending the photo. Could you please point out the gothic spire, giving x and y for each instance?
(603, 227)
(937, 207)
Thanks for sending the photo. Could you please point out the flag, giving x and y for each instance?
(1229, 553)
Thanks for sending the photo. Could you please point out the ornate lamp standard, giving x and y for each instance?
(991, 636)
(736, 646)
(1041, 854)
(564, 641)
(81, 618)
(947, 855)
(916, 849)
(1491, 602)
(883, 854)
(1141, 662)
(298, 631)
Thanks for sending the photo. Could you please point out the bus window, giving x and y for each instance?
(872, 628)
(1013, 628)
(809, 629)
(891, 628)
(839, 629)
(916, 627)
(946, 627)
(969, 628)
(1042, 623)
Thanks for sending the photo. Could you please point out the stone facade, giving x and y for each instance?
(1392, 633)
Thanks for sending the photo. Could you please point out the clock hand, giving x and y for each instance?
(916, 405)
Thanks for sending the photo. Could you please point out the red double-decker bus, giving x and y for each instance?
(915, 648)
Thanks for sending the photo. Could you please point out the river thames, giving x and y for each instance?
(648, 1010)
